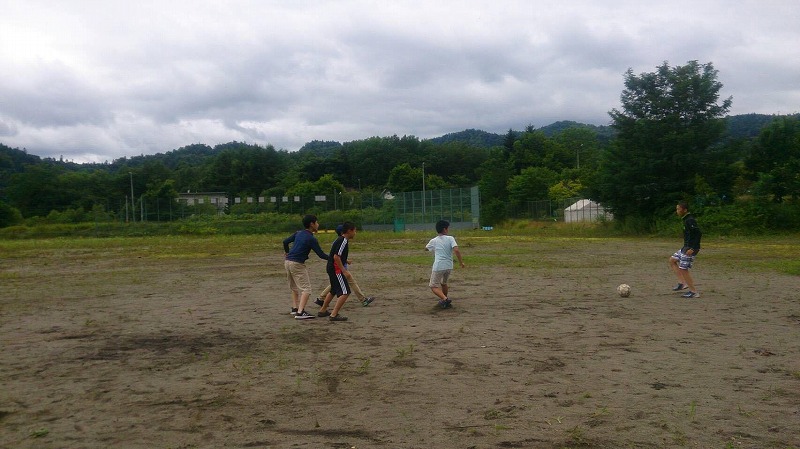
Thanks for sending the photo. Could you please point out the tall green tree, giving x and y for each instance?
(775, 159)
(669, 121)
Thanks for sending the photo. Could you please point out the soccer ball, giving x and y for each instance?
(624, 290)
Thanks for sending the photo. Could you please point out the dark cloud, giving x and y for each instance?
(97, 81)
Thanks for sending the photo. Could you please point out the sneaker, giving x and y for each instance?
(293, 312)
(367, 301)
(338, 318)
(303, 315)
(323, 314)
(319, 301)
(448, 304)
(690, 294)
(679, 287)
(442, 304)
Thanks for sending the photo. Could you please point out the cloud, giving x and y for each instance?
(101, 80)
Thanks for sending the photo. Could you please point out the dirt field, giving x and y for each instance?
(155, 346)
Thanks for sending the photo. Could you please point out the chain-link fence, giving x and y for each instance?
(375, 210)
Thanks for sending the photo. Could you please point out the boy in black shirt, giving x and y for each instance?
(682, 260)
(338, 273)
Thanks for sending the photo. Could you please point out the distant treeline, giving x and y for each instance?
(562, 160)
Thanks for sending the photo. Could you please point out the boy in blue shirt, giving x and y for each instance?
(296, 270)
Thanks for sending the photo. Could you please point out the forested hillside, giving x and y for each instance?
(561, 160)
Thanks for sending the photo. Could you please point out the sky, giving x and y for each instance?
(95, 80)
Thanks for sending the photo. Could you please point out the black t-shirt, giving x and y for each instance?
(341, 248)
(691, 233)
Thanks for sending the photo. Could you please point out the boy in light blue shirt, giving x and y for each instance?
(443, 247)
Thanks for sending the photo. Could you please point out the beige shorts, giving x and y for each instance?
(439, 278)
(297, 274)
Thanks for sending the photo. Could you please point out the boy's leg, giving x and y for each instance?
(356, 289)
(688, 280)
(339, 303)
(325, 292)
(436, 283)
(439, 293)
(303, 300)
(673, 265)
(292, 284)
(326, 302)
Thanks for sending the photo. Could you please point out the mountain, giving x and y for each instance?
(474, 137)
(746, 126)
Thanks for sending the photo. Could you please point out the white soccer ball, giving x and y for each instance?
(624, 290)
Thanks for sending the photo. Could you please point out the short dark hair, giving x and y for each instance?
(684, 205)
(441, 225)
(346, 226)
(308, 219)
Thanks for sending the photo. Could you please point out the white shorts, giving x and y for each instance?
(684, 261)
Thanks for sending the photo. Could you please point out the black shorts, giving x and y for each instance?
(339, 285)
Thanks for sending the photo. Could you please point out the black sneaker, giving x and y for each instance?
(679, 287)
(323, 314)
(338, 318)
(690, 294)
(303, 315)
(367, 301)
(293, 312)
(448, 304)
(319, 301)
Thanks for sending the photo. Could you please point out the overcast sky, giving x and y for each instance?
(98, 80)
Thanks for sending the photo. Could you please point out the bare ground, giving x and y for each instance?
(101, 349)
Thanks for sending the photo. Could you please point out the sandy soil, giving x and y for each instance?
(105, 350)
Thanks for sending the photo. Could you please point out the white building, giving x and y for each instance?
(586, 210)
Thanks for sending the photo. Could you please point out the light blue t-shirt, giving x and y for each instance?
(442, 247)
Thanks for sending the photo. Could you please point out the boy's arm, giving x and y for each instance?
(287, 241)
(338, 261)
(458, 254)
(430, 246)
(317, 249)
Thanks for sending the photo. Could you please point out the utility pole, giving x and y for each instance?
(423, 191)
(133, 200)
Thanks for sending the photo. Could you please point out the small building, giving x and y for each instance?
(217, 199)
(586, 210)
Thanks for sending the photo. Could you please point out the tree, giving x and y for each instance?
(775, 159)
(9, 215)
(494, 175)
(669, 122)
(532, 184)
(404, 178)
